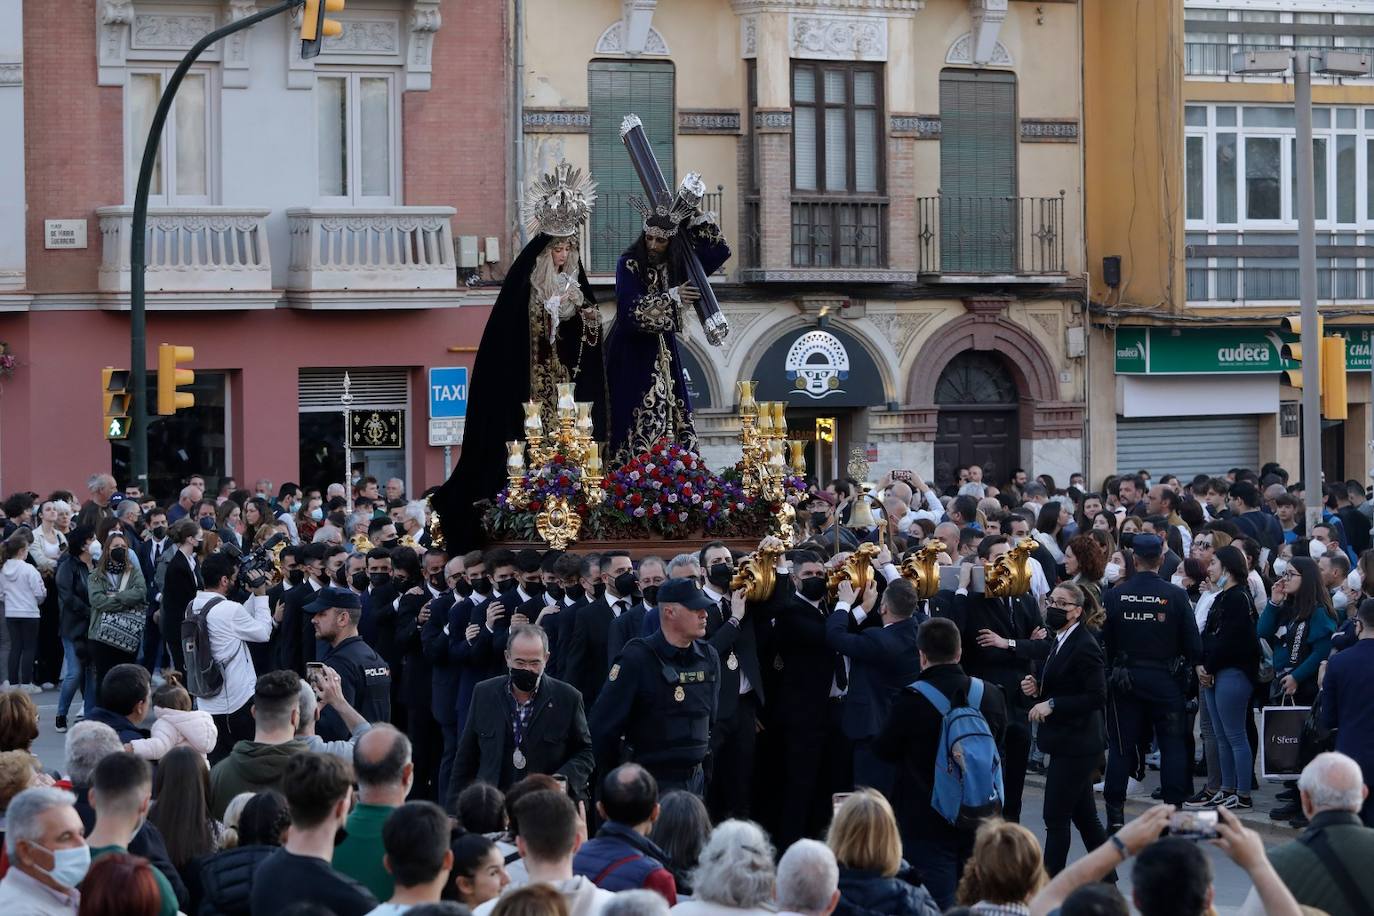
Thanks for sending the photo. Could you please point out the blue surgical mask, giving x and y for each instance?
(317, 514)
(69, 866)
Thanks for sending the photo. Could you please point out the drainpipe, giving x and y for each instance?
(518, 192)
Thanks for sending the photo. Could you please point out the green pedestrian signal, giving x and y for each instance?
(119, 429)
(114, 393)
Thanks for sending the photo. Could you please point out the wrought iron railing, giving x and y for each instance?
(1020, 236)
(839, 232)
(615, 224)
(1276, 284)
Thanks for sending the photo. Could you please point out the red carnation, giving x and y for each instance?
(635, 499)
(535, 505)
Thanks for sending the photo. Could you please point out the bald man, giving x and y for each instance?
(385, 772)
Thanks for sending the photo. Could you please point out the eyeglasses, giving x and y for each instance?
(1062, 605)
(1292, 574)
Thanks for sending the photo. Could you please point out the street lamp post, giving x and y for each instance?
(1303, 62)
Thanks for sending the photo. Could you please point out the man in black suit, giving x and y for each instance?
(651, 574)
(585, 664)
(150, 549)
(529, 597)
(180, 585)
(883, 660)
(493, 617)
(444, 674)
(910, 737)
(568, 595)
(1000, 648)
(738, 631)
(414, 610)
(1071, 693)
(812, 679)
(522, 723)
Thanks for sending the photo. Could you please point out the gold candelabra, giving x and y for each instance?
(766, 451)
(558, 521)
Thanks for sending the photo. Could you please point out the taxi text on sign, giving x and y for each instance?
(448, 404)
(1198, 351)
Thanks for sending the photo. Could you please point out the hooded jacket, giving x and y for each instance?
(126, 730)
(194, 728)
(250, 767)
(22, 588)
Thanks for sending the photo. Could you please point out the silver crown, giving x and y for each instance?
(683, 206)
(560, 202)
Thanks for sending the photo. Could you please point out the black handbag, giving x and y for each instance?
(1316, 738)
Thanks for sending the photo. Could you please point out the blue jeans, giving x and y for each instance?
(73, 674)
(1228, 703)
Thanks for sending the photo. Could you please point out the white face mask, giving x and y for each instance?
(1339, 599)
(1316, 548)
(69, 866)
(1280, 566)
(96, 551)
(1177, 579)
(1354, 581)
(1113, 572)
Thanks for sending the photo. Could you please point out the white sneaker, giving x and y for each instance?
(49, 685)
(33, 688)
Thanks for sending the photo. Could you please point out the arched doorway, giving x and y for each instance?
(977, 402)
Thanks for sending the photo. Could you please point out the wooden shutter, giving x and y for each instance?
(977, 171)
(617, 88)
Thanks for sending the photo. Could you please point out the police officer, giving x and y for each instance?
(365, 677)
(1151, 640)
(661, 695)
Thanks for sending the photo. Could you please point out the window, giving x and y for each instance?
(182, 171)
(1196, 196)
(358, 138)
(194, 440)
(978, 147)
(615, 88)
(837, 128)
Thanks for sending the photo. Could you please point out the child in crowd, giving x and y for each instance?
(178, 722)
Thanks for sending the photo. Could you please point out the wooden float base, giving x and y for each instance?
(639, 548)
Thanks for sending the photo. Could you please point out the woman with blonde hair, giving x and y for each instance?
(868, 849)
(1005, 872)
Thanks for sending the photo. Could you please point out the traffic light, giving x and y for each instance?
(1293, 351)
(1334, 401)
(170, 377)
(316, 27)
(114, 394)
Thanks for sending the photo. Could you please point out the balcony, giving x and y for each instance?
(1244, 285)
(1201, 58)
(992, 239)
(846, 233)
(385, 249)
(202, 250)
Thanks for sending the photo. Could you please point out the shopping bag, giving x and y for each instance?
(1281, 740)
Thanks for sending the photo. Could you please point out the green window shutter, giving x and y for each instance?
(978, 148)
(617, 88)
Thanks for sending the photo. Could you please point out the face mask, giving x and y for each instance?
(1223, 580)
(462, 588)
(296, 576)
(207, 523)
(378, 579)
(481, 585)
(650, 593)
(1354, 581)
(1177, 579)
(598, 590)
(360, 581)
(390, 544)
(118, 554)
(523, 680)
(534, 589)
(1317, 549)
(1056, 618)
(1339, 599)
(813, 589)
(555, 592)
(69, 866)
(437, 580)
(1280, 567)
(96, 551)
(625, 584)
(720, 575)
(506, 586)
(576, 592)
(1113, 572)
(818, 519)
(159, 532)
(317, 514)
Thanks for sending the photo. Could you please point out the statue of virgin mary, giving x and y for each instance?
(544, 330)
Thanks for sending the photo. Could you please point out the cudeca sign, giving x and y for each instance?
(1203, 351)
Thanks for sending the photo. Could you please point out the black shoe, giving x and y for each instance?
(1300, 822)
(1286, 812)
(61, 724)
(1287, 795)
(1116, 818)
(1158, 793)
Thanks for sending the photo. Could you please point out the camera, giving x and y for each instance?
(257, 566)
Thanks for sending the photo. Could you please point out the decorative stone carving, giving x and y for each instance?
(742, 322)
(1049, 130)
(612, 41)
(374, 40)
(837, 37)
(962, 50)
(637, 18)
(1049, 321)
(557, 120)
(11, 73)
(922, 127)
(425, 20)
(826, 275)
(366, 36)
(168, 31)
(748, 36)
(235, 72)
(773, 120)
(988, 16)
(900, 328)
(708, 121)
(904, 8)
(115, 18)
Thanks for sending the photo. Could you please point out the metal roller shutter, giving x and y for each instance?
(374, 386)
(1186, 446)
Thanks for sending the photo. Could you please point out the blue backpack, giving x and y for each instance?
(968, 766)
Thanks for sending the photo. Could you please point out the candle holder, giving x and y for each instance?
(748, 407)
(796, 449)
(559, 521)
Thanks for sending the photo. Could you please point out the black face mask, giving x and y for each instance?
(719, 575)
(625, 584)
(818, 519)
(576, 592)
(650, 594)
(1056, 618)
(555, 592)
(598, 590)
(481, 585)
(360, 581)
(378, 579)
(523, 680)
(296, 576)
(119, 555)
(506, 586)
(462, 588)
(437, 580)
(534, 589)
(390, 544)
(812, 589)
(159, 532)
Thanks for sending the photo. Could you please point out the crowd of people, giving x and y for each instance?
(303, 702)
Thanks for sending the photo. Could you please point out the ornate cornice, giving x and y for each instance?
(708, 121)
(988, 16)
(889, 7)
(825, 275)
(1049, 130)
(773, 120)
(557, 120)
(11, 73)
(922, 127)
(832, 37)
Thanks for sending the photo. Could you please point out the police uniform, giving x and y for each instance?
(1151, 640)
(364, 676)
(662, 701)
